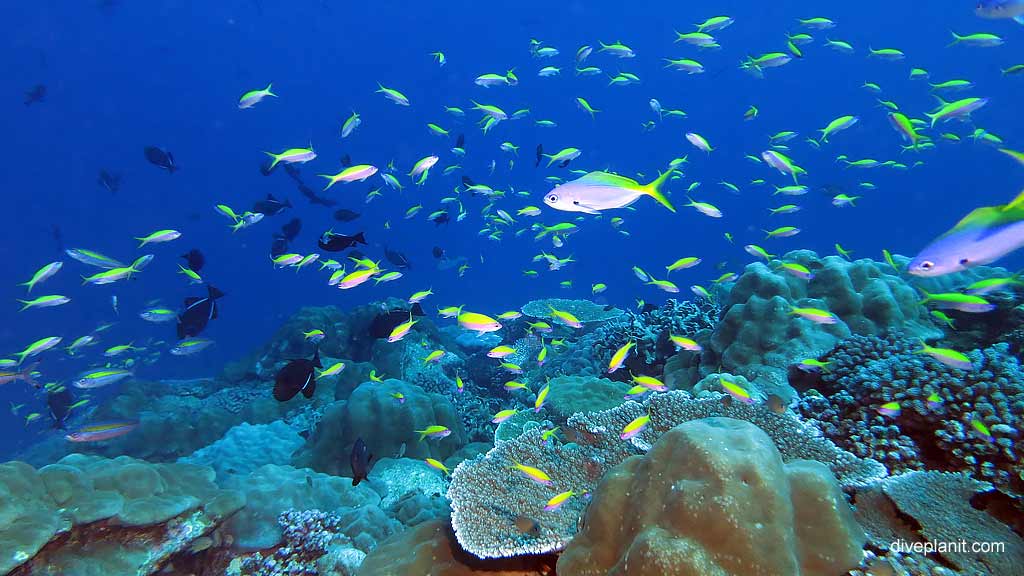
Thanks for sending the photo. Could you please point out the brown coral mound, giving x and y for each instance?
(713, 497)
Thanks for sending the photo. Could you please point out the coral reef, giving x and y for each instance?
(937, 507)
(865, 372)
(431, 548)
(246, 447)
(313, 543)
(490, 498)
(713, 496)
(759, 338)
(571, 394)
(584, 310)
(397, 477)
(385, 424)
(272, 489)
(90, 515)
(588, 355)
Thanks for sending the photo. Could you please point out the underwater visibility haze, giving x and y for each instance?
(530, 288)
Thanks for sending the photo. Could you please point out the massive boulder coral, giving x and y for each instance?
(246, 447)
(865, 372)
(385, 423)
(758, 337)
(92, 515)
(571, 394)
(498, 511)
(713, 496)
(271, 490)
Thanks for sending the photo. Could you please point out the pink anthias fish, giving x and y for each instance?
(478, 323)
(98, 432)
(7, 376)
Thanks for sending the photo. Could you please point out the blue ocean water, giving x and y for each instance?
(122, 75)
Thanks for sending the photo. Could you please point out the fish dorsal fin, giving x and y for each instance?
(979, 217)
(606, 179)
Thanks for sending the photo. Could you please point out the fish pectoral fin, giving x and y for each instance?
(585, 208)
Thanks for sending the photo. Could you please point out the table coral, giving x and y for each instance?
(940, 510)
(498, 511)
(584, 310)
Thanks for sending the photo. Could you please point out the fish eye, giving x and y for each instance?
(927, 265)
(964, 261)
(552, 198)
(576, 202)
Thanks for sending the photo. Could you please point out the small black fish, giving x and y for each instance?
(564, 164)
(198, 312)
(271, 206)
(397, 258)
(357, 254)
(290, 230)
(58, 237)
(460, 142)
(110, 181)
(333, 242)
(346, 160)
(441, 218)
(467, 181)
(297, 376)
(160, 157)
(345, 215)
(314, 198)
(59, 404)
(195, 259)
(35, 95)
(279, 246)
(360, 461)
(438, 252)
(540, 154)
(293, 172)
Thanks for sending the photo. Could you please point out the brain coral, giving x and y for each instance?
(713, 496)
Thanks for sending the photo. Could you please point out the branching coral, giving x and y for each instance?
(866, 372)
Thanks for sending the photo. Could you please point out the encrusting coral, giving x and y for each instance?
(93, 515)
